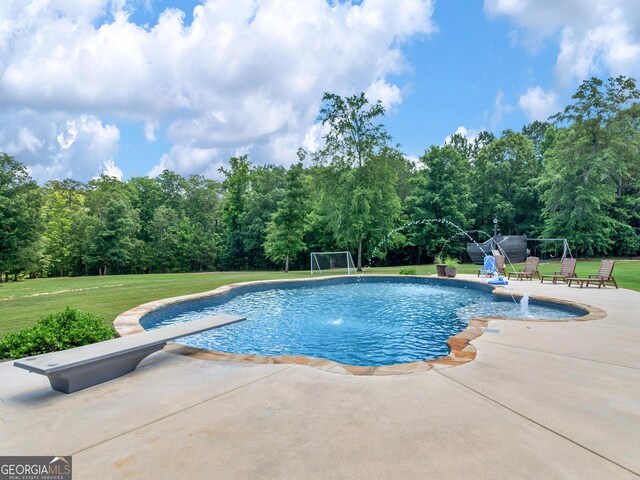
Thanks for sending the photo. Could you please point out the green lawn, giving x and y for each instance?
(22, 303)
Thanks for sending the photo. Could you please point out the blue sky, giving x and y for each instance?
(460, 71)
(129, 87)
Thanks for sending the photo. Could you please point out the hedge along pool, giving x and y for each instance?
(371, 321)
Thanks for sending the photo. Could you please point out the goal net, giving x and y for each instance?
(323, 261)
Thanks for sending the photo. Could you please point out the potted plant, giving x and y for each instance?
(440, 266)
(451, 267)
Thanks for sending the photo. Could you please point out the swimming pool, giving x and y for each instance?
(372, 321)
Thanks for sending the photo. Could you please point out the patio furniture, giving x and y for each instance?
(500, 264)
(567, 270)
(498, 267)
(489, 267)
(81, 367)
(602, 278)
(530, 269)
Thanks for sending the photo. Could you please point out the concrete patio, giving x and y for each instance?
(540, 401)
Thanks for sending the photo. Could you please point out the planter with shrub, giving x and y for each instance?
(440, 266)
(451, 267)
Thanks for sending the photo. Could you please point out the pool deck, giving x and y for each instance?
(540, 401)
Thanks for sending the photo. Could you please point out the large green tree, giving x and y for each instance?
(360, 195)
(267, 186)
(20, 218)
(165, 240)
(236, 190)
(285, 231)
(514, 199)
(173, 187)
(64, 203)
(441, 192)
(146, 196)
(589, 168)
(203, 209)
(110, 241)
(537, 132)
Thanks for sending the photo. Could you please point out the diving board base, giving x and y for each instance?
(90, 374)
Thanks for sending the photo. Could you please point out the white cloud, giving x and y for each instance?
(282, 149)
(25, 140)
(469, 134)
(94, 146)
(313, 137)
(594, 37)
(67, 136)
(185, 159)
(538, 104)
(54, 146)
(500, 109)
(150, 131)
(160, 167)
(388, 94)
(112, 170)
(243, 74)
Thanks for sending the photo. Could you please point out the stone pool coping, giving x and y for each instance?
(461, 349)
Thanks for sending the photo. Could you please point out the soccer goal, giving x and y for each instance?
(323, 261)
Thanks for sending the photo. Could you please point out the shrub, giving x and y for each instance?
(451, 262)
(57, 331)
(407, 271)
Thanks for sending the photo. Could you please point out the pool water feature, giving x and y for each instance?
(388, 321)
(524, 305)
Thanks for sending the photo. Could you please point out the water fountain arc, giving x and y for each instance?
(460, 231)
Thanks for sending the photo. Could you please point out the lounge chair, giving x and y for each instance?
(496, 265)
(602, 278)
(530, 269)
(567, 270)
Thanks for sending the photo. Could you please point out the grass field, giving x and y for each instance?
(22, 303)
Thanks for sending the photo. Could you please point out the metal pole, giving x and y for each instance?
(495, 232)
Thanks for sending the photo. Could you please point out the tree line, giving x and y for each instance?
(575, 176)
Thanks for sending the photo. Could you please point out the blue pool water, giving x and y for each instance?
(374, 322)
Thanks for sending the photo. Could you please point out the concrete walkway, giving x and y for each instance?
(540, 401)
